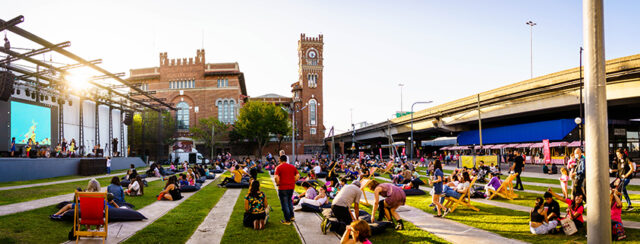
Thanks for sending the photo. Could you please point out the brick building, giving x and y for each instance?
(196, 88)
(307, 97)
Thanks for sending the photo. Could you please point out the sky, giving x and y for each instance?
(439, 50)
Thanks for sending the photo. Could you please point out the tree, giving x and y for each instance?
(202, 132)
(259, 122)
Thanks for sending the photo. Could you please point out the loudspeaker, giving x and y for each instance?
(128, 118)
(6, 85)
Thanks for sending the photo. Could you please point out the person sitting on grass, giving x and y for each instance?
(116, 189)
(494, 183)
(190, 180)
(357, 233)
(255, 206)
(335, 189)
(552, 207)
(92, 186)
(237, 176)
(171, 190)
(136, 188)
(317, 201)
(183, 180)
(394, 198)
(575, 209)
(539, 223)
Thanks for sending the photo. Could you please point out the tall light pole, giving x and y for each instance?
(293, 129)
(531, 24)
(596, 126)
(411, 158)
(401, 86)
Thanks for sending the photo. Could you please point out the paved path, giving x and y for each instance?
(212, 228)
(58, 182)
(626, 223)
(121, 231)
(308, 227)
(39, 203)
(449, 230)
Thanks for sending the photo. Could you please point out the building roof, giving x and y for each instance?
(271, 95)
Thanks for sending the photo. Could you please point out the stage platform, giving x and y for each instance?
(19, 169)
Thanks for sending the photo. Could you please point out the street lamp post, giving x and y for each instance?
(401, 86)
(411, 141)
(293, 129)
(531, 24)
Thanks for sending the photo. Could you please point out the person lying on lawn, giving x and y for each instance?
(394, 198)
(317, 201)
(575, 209)
(92, 186)
(136, 187)
(236, 177)
(539, 222)
(255, 205)
(309, 191)
(357, 233)
(171, 190)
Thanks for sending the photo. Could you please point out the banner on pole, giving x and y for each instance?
(546, 151)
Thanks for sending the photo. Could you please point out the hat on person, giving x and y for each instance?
(356, 183)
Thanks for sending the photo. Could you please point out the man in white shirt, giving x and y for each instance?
(317, 169)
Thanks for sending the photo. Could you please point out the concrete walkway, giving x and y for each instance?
(308, 227)
(626, 223)
(121, 231)
(449, 230)
(212, 228)
(39, 203)
(58, 182)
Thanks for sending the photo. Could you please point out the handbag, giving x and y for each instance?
(568, 226)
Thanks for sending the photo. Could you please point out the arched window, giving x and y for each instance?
(313, 107)
(232, 107)
(182, 115)
(226, 111)
(220, 111)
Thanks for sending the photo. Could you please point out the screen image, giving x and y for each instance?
(30, 121)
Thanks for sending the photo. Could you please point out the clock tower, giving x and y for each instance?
(307, 94)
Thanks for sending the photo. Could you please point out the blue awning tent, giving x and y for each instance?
(554, 130)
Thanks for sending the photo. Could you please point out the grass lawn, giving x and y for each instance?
(34, 226)
(38, 192)
(506, 222)
(274, 232)
(180, 223)
(69, 177)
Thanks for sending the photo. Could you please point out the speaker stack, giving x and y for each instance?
(6, 85)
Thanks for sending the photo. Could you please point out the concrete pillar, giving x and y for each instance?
(596, 134)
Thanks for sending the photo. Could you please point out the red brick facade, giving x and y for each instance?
(203, 87)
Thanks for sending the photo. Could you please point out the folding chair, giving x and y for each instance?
(364, 184)
(464, 199)
(92, 211)
(506, 189)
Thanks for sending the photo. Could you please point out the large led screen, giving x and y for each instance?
(30, 121)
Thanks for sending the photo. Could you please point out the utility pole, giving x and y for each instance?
(401, 86)
(531, 24)
(479, 122)
(596, 131)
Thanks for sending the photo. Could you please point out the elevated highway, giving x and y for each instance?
(551, 96)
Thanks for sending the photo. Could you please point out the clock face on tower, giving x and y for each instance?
(312, 54)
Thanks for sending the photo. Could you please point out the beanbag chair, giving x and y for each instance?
(115, 215)
(125, 183)
(189, 188)
(242, 184)
(378, 227)
(321, 175)
(201, 179)
(217, 171)
(312, 182)
(326, 205)
(414, 192)
(376, 174)
(62, 204)
(310, 208)
(211, 176)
